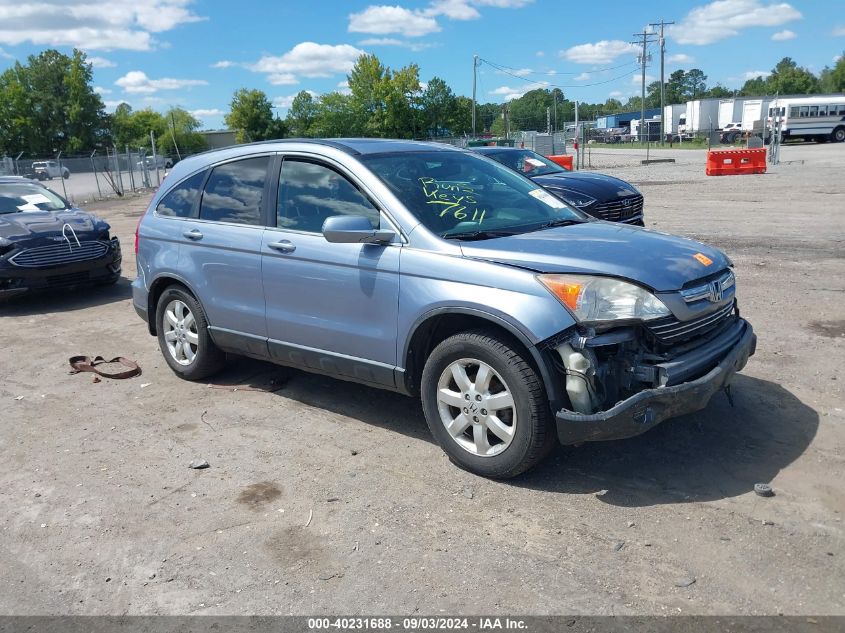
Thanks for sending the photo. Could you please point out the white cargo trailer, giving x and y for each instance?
(753, 113)
(701, 116)
(671, 113)
(730, 111)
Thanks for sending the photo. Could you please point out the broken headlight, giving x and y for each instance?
(603, 298)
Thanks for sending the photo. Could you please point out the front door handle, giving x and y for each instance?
(283, 246)
(193, 234)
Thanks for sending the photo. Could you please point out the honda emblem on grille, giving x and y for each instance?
(715, 291)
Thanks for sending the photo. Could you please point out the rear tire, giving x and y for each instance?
(486, 405)
(183, 336)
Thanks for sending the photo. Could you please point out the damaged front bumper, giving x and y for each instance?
(650, 407)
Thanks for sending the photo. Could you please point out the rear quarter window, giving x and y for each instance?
(179, 202)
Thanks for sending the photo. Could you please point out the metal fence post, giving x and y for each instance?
(62, 174)
(97, 180)
(131, 171)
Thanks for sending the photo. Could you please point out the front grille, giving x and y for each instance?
(59, 254)
(70, 279)
(618, 210)
(671, 331)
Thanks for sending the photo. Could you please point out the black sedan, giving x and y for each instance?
(46, 243)
(603, 197)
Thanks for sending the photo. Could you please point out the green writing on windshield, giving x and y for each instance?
(452, 198)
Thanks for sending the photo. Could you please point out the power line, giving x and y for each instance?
(551, 85)
(555, 72)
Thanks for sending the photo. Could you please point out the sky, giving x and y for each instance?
(195, 53)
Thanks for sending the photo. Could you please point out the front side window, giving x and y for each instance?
(309, 193)
(234, 192)
(463, 196)
(179, 202)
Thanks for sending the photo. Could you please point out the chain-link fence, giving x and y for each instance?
(93, 177)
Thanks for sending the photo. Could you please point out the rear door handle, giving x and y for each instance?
(283, 246)
(193, 234)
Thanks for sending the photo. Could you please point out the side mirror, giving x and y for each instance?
(354, 229)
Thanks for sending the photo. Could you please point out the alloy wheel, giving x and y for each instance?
(180, 332)
(476, 407)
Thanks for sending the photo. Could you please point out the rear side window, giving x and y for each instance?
(179, 201)
(234, 192)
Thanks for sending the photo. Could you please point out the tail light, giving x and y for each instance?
(137, 228)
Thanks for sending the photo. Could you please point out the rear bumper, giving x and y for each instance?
(18, 280)
(648, 408)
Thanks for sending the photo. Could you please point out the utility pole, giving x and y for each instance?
(662, 41)
(643, 61)
(474, 66)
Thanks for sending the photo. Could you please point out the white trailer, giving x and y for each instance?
(754, 113)
(701, 116)
(671, 114)
(730, 111)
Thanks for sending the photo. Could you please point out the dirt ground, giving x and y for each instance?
(328, 497)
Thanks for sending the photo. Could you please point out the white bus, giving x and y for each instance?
(820, 118)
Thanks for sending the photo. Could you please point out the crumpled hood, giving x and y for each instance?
(34, 224)
(599, 186)
(656, 260)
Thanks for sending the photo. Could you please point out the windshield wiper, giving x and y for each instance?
(559, 222)
(477, 235)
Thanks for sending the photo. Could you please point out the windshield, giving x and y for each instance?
(525, 161)
(23, 196)
(461, 194)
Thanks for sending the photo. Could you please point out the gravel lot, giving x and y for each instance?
(328, 497)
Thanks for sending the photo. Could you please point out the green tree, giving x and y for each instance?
(401, 95)
(302, 115)
(181, 136)
(335, 116)
(788, 78)
(756, 86)
(695, 84)
(251, 116)
(438, 104)
(52, 105)
(833, 79)
(367, 86)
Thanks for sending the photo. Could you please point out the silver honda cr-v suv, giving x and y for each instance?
(437, 272)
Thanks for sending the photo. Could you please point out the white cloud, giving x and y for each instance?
(112, 104)
(782, 36)
(5, 55)
(540, 54)
(726, 18)
(753, 74)
(287, 100)
(839, 31)
(836, 58)
(102, 91)
(392, 41)
(136, 81)
(384, 20)
(101, 62)
(90, 24)
(206, 113)
(307, 59)
(603, 52)
(679, 58)
(453, 9)
(519, 72)
(508, 93)
(582, 77)
(225, 63)
(615, 94)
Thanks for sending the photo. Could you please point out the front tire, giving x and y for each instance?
(485, 405)
(183, 336)
(838, 135)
